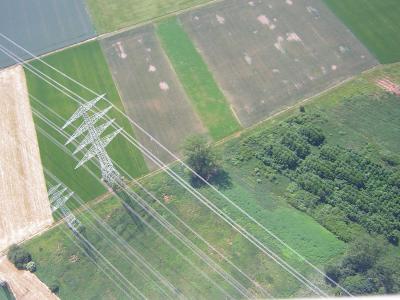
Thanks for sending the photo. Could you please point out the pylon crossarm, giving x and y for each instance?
(83, 109)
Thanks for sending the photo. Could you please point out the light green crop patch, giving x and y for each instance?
(197, 80)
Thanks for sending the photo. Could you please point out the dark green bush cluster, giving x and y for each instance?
(19, 257)
(365, 192)
(366, 269)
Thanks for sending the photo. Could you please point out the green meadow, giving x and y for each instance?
(112, 15)
(375, 23)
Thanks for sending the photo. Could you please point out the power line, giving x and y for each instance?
(153, 139)
(166, 208)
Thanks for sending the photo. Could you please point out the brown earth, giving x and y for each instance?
(23, 284)
(25, 208)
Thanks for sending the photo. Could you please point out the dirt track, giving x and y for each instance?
(24, 284)
(24, 205)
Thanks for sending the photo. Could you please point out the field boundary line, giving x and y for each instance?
(155, 19)
(103, 36)
(288, 108)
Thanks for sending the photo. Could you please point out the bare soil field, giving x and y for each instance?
(150, 90)
(266, 55)
(24, 284)
(25, 208)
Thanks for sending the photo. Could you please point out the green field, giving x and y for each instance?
(112, 15)
(197, 80)
(375, 23)
(87, 65)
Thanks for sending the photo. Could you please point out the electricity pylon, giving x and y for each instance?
(59, 195)
(58, 198)
(97, 149)
(98, 144)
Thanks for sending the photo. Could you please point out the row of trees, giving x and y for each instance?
(367, 193)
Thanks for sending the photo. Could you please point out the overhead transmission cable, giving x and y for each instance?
(173, 155)
(272, 255)
(136, 182)
(171, 229)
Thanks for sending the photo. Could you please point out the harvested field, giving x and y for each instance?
(267, 56)
(152, 95)
(24, 284)
(42, 26)
(25, 208)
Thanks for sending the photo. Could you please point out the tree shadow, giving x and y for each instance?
(221, 179)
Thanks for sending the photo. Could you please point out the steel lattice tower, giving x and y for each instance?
(98, 144)
(59, 196)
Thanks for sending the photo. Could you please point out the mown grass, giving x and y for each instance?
(197, 80)
(375, 23)
(87, 65)
(112, 15)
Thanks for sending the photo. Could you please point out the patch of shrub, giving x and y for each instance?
(19, 256)
(55, 287)
(31, 266)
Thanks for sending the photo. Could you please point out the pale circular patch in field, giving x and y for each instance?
(278, 44)
(196, 18)
(251, 3)
(164, 86)
(248, 59)
(220, 19)
(298, 85)
(292, 37)
(289, 2)
(270, 6)
(148, 49)
(152, 68)
(119, 48)
(334, 67)
(276, 71)
(263, 19)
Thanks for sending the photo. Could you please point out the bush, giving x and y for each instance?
(333, 273)
(54, 287)
(19, 256)
(313, 134)
(201, 158)
(31, 266)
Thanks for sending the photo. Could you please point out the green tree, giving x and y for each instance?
(19, 256)
(201, 158)
(359, 285)
(334, 273)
